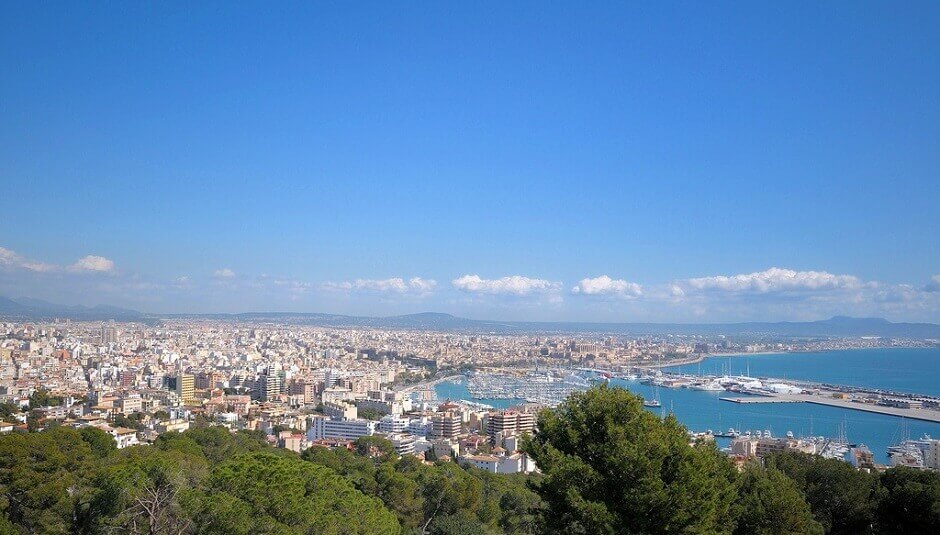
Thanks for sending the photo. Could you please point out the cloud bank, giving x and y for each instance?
(608, 287)
(224, 273)
(516, 285)
(92, 264)
(11, 260)
(775, 280)
(414, 285)
(773, 294)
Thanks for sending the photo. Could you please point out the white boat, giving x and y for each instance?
(710, 386)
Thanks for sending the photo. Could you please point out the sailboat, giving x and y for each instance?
(653, 402)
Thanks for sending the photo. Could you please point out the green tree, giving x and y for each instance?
(43, 478)
(375, 446)
(146, 490)
(102, 444)
(448, 489)
(370, 414)
(842, 498)
(131, 422)
(910, 501)
(8, 410)
(400, 494)
(7, 527)
(217, 444)
(41, 398)
(610, 466)
(277, 494)
(34, 421)
(460, 523)
(769, 503)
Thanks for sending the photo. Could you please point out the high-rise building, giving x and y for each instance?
(510, 423)
(186, 388)
(269, 386)
(445, 425)
(108, 335)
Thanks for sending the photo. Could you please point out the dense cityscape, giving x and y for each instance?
(303, 386)
(479, 268)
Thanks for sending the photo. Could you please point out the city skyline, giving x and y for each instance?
(519, 162)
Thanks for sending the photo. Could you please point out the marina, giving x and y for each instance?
(875, 426)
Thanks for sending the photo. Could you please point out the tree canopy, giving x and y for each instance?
(611, 466)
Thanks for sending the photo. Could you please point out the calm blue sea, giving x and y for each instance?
(916, 370)
(906, 370)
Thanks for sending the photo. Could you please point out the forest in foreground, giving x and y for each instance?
(608, 467)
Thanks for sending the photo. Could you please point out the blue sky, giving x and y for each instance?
(262, 157)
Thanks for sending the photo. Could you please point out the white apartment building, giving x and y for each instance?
(393, 424)
(325, 428)
(404, 444)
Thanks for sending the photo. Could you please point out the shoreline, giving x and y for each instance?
(737, 354)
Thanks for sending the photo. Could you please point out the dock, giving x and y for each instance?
(760, 400)
(927, 415)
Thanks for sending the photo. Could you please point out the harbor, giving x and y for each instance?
(700, 407)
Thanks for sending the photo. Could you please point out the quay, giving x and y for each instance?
(927, 415)
(760, 400)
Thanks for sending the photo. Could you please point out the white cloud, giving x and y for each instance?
(608, 287)
(422, 285)
(414, 285)
(10, 259)
(933, 285)
(513, 285)
(224, 273)
(774, 280)
(92, 264)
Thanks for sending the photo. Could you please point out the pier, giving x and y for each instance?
(927, 415)
(760, 400)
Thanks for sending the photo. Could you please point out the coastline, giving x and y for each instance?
(737, 354)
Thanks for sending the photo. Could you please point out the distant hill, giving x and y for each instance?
(26, 309)
(34, 309)
(833, 327)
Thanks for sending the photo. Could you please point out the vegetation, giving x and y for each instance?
(842, 498)
(610, 467)
(42, 398)
(370, 414)
(769, 503)
(613, 467)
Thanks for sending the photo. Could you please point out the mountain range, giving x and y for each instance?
(34, 309)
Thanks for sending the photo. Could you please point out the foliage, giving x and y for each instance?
(41, 398)
(144, 490)
(842, 498)
(8, 409)
(374, 446)
(131, 422)
(609, 467)
(287, 495)
(42, 478)
(613, 467)
(769, 503)
(910, 502)
(370, 414)
(422, 495)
